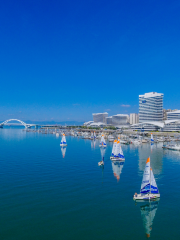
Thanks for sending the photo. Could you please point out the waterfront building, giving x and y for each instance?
(109, 120)
(151, 107)
(171, 115)
(100, 117)
(134, 118)
(120, 120)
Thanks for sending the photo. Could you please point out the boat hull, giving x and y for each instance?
(117, 159)
(63, 145)
(138, 197)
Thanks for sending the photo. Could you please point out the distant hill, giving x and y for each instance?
(63, 123)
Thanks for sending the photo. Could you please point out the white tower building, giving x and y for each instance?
(151, 107)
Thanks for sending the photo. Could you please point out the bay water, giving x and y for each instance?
(47, 192)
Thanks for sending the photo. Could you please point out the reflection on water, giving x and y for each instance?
(148, 212)
(103, 150)
(93, 144)
(173, 155)
(156, 154)
(117, 167)
(63, 150)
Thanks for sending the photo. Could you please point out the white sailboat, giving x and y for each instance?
(149, 189)
(94, 135)
(152, 139)
(102, 142)
(118, 153)
(148, 212)
(63, 141)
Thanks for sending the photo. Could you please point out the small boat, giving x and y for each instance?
(102, 142)
(110, 138)
(57, 134)
(149, 189)
(118, 153)
(137, 142)
(175, 147)
(63, 141)
(101, 163)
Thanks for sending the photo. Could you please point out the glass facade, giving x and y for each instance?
(151, 107)
(173, 115)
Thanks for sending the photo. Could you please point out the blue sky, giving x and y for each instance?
(64, 60)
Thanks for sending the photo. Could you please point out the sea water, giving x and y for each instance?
(47, 192)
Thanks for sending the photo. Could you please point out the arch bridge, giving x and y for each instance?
(17, 120)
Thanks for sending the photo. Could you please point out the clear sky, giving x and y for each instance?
(65, 59)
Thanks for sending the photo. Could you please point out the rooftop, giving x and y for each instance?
(151, 94)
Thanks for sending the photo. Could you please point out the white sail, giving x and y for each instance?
(63, 140)
(116, 150)
(152, 140)
(94, 135)
(145, 186)
(154, 188)
(102, 140)
(121, 152)
(148, 212)
(114, 147)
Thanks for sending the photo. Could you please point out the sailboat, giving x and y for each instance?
(63, 141)
(102, 142)
(148, 212)
(92, 136)
(152, 140)
(63, 150)
(149, 189)
(118, 153)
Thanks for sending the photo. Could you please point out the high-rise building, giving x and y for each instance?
(173, 115)
(151, 107)
(134, 118)
(120, 119)
(100, 117)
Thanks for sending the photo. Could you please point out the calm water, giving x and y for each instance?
(44, 195)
